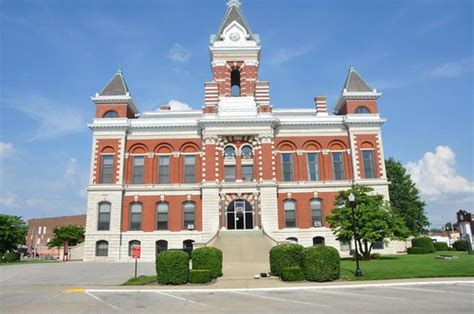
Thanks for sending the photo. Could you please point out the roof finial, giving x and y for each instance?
(351, 68)
(119, 70)
(233, 2)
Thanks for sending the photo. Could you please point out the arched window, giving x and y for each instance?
(102, 248)
(292, 240)
(290, 213)
(318, 241)
(104, 216)
(188, 246)
(188, 215)
(229, 152)
(247, 152)
(161, 245)
(162, 216)
(362, 109)
(235, 83)
(111, 114)
(316, 212)
(136, 216)
(131, 244)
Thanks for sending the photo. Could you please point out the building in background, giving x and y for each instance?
(171, 179)
(40, 231)
(466, 226)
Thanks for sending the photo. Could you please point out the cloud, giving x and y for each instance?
(436, 177)
(6, 150)
(452, 69)
(54, 120)
(176, 105)
(71, 173)
(283, 55)
(179, 54)
(433, 25)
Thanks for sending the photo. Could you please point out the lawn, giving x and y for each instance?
(140, 281)
(411, 266)
(30, 261)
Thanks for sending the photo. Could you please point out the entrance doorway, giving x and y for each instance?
(239, 215)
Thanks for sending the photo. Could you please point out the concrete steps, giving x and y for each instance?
(245, 253)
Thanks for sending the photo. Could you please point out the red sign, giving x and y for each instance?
(136, 251)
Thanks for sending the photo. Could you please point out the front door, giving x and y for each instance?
(239, 215)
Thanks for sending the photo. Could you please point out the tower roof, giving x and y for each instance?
(354, 83)
(116, 86)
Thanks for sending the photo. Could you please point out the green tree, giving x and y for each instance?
(405, 197)
(375, 220)
(12, 233)
(71, 234)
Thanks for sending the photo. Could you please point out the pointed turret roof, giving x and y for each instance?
(354, 83)
(234, 14)
(116, 86)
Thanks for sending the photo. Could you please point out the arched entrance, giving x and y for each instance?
(239, 215)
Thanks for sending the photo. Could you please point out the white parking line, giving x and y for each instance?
(102, 301)
(179, 298)
(360, 295)
(430, 290)
(280, 299)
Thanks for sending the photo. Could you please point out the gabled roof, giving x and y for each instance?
(234, 14)
(116, 86)
(354, 83)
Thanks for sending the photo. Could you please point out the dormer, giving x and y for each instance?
(357, 97)
(115, 100)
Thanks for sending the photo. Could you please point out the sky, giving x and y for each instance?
(55, 55)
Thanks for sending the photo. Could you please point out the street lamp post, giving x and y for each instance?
(352, 204)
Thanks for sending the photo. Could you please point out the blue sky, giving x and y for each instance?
(56, 54)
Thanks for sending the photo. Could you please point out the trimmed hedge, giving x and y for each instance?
(10, 257)
(200, 276)
(285, 255)
(417, 250)
(441, 246)
(321, 263)
(172, 267)
(423, 242)
(209, 258)
(292, 273)
(461, 245)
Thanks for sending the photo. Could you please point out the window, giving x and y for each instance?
(102, 248)
(345, 246)
(104, 216)
(189, 169)
(160, 246)
(312, 166)
(163, 169)
(362, 109)
(292, 240)
(247, 152)
(368, 161)
(247, 172)
(111, 114)
(287, 166)
(138, 169)
(106, 168)
(162, 216)
(229, 152)
(229, 173)
(316, 213)
(44, 230)
(188, 215)
(378, 245)
(188, 246)
(318, 241)
(290, 213)
(235, 83)
(338, 166)
(131, 244)
(136, 216)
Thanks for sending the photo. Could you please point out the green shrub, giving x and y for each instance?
(10, 257)
(284, 255)
(461, 245)
(200, 276)
(292, 273)
(417, 250)
(441, 246)
(321, 263)
(375, 256)
(172, 267)
(423, 242)
(208, 258)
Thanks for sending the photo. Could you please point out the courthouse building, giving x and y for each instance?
(173, 179)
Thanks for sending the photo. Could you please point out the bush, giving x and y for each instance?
(417, 250)
(375, 256)
(200, 276)
(285, 255)
(424, 242)
(172, 267)
(292, 273)
(441, 246)
(321, 263)
(209, 258)
(461, 245)
(10, 257)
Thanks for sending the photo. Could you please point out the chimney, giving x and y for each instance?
(321, 108)
(165, 107)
